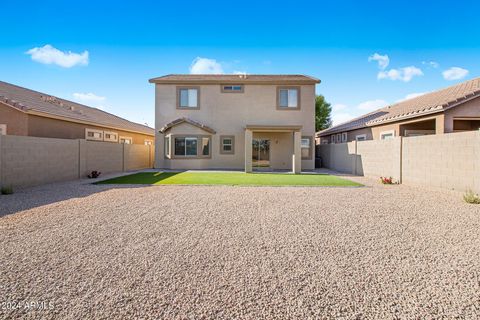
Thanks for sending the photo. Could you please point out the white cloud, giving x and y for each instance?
(205, 66)
(413, 95)
(338, 118)
(432, 64)
(338, 107)
(372, 105)
(383, 61)
(455, 73)
(50, 55)
(404, 74)
(240, 72)
(88, 97)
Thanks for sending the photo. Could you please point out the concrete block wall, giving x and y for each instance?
(30, 161)
(379, 158)
(136, 156)
(450, 161)
(339, 157)
(96, 159)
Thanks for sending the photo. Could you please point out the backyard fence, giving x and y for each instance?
(29, 161)
(450, 161)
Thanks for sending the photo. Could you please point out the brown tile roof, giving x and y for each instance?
(186, 120)
(235, 78)
(30, 101)
(428, 103)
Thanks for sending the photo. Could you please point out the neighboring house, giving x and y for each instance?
(24, 112)
(235, 122)
(453, 109)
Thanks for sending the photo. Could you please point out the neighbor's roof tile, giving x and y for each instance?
(29, 100)
(432, 102)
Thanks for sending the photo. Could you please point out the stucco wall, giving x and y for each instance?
(16, 121)
(54, 128)
(29, 161)
(229, 114)
(466, 110)
(449, 161)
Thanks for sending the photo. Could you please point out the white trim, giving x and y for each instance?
(111, 133)
(344, 137)
(148, 142)
(361, 137)
(387, 133)
(93, 131)
(3, 129)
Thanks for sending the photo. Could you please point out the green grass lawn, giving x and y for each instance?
(231, 178)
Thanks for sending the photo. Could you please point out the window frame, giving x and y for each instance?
(387, 132)
(3, 131)
(364, 136)
(344, 137)
(150, 142)
(222, 88)
(110, 133)
(88, 130)
(332, 138)
(179, 88)
(310, 148)
(125, 138)
(199, 154)
(280, 88)
(167, 148)
(232, 138)
(339, 138)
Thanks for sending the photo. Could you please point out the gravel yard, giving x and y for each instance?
(201, 252)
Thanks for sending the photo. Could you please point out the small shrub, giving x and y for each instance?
(6, 190)
(471, 197)
(94, 174)
(387, 180)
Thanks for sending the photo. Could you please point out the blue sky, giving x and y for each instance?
(102, 53)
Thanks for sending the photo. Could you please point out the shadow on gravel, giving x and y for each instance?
(29, 198)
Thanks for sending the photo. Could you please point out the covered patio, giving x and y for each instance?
(284, 146)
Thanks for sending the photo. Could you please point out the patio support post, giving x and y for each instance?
(248, 150)
(297, 152)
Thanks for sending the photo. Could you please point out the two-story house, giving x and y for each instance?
(235, 122)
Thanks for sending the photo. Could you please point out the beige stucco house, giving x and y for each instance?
(25, 112)
(235, 122)
(452, 109)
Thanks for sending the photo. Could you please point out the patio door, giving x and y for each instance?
(261, 153)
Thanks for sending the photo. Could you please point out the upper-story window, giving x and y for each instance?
(235, 88)
(288, 98)
(188, 98)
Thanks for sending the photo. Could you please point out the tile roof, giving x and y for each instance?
(186, 120)
(30, 101)
(428, 103)
(235, 78)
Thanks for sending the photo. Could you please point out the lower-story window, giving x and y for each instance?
(385, 135)
(3, 129)
(306, 145)
(192, 146)
(126, 140)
